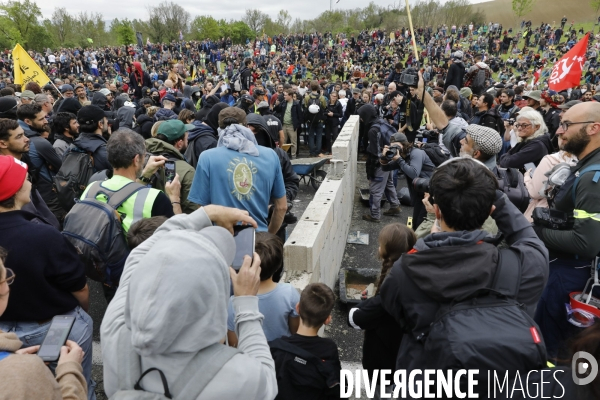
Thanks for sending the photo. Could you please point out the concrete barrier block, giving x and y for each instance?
(302, 249)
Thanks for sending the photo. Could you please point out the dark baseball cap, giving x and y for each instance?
(169, 97)
(89, 115)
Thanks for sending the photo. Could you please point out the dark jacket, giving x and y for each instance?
(582, 239)
(446, 265)
(338, 112)
(455, 76)
(290, 179)
(48, 263)
(383, 334)
(552, 120)
(246, 77)
(489, 118)
(201, 138)
(164, 114)
(529, 151)
(144, 126)
(137, 87)
(95, 144)
(393, 77)
(297, 115)
(100, 100)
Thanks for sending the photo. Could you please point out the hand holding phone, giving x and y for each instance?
(169, 171)
(56, 337)
(244, 237)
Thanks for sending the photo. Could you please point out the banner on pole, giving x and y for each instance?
(27, 70)
(567, 71)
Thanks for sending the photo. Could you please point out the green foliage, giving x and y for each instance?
(595, 4)
(123, 31)
(204, 27)
(522, 7)
(19, 20)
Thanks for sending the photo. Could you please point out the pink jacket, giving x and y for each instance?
(536, 184)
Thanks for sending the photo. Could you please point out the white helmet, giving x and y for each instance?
(313, 108)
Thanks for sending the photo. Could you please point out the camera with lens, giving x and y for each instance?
(421, 185)
(550, 218)
(428, 135)
(409, 77)
(389, 155)
(511, 121)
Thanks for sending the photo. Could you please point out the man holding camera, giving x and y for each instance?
(379, 133)
(574, 245)
(452, 134)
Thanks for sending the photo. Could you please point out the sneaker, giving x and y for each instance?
(368, 217)
(392, 211)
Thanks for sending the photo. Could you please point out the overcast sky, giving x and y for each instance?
(227, 9)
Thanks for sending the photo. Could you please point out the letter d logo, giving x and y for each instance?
(583, 362)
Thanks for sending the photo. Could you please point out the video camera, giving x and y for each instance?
(551, 219)
(409, 77)
(427, 135)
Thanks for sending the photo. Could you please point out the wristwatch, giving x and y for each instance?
(144, 179)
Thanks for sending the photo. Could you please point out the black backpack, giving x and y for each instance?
(487, 330)
(435, 153)
(95, 229)
(511, 182)
(73, 176)
(301, 374)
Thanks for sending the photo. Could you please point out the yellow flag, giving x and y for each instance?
(26, 70)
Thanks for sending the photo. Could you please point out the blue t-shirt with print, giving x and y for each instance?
(233, 179)
(276, 305)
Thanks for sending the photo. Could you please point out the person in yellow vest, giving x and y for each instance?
(126, 153)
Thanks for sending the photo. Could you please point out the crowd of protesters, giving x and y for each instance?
(221, 114)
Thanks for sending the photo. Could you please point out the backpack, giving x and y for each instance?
(386, 131)
(479, 79)
(197, 374)
(73, 176)
(302, 375)
(314, 100)
(94, 228)
(435, 153)
(236, 82)
(510, 181)
(487, 330)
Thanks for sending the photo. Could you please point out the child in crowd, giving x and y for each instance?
(276, 301)
(382, 333)
(143, 229)
(308, 366)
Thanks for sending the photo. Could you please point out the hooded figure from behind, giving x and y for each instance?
(205, 135)
(161, 317)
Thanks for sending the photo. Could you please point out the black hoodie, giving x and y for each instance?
(446, 265)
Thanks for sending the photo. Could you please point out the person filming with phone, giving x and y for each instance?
(171, 142)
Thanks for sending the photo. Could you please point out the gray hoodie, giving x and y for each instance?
(172, 304)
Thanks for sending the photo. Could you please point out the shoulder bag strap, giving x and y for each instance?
(595, 167)
(163, 378)
(507, 279)
(121, 195)
(201, 370)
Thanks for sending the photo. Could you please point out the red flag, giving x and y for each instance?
(536, 75)
(567, 71)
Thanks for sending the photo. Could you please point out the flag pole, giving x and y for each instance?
(412, 32)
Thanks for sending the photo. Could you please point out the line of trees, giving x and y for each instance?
(21, 21)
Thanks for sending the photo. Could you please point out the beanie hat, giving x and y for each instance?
(66, 88)
(90, 115)
(8, 107)
(487, 139)
(12, 175)
(466, 92)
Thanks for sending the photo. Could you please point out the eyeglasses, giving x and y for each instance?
(519, 126)
(10, 277)
(566, 124)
